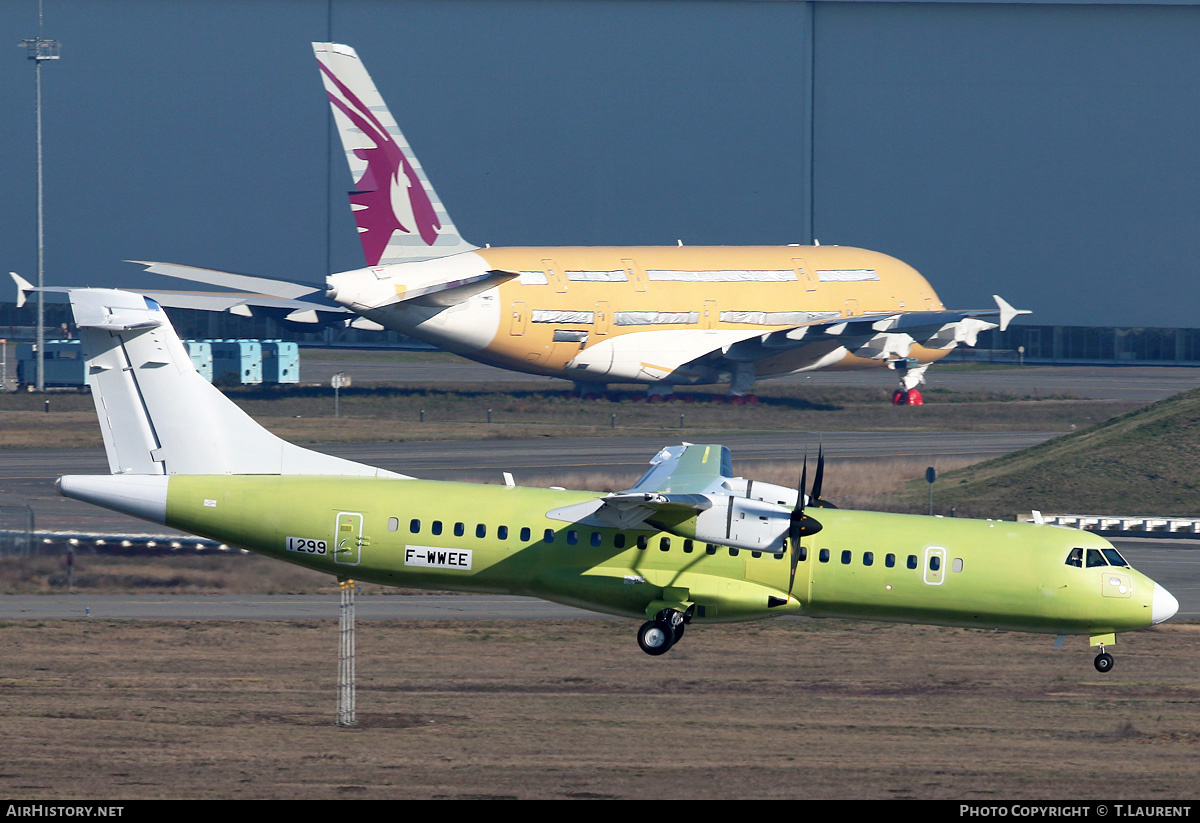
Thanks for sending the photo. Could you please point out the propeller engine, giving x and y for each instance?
(802, 524)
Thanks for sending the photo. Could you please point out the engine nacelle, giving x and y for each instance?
(739, 522)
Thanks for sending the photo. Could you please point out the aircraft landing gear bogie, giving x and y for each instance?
(1103, 662)
(657, 636)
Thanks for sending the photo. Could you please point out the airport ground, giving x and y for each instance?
(572, 709)
(454, 703)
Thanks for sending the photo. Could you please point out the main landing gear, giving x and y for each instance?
(657, 636)
(911, 376)
(911, 397)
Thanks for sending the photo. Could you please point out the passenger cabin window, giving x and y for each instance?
(845, 558)
(935, 562)
(868, 558)
(393, 524)
(572, 537)
(958, 564)
(890, 561)
(414, 526)
(597, 538)
(619, 540)
(480, 530)
(912, 561)
(688, 546)
(502, 532)
(525, 534)
(459, 529)
(664, 544)
(641, 541)
(823, 556)
(436, 527)
(548, 537)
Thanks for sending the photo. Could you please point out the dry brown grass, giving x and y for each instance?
(392, 413)
(96, 572)
(572, 709)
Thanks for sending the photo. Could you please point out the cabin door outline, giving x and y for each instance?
(935, 576)
(348, 539)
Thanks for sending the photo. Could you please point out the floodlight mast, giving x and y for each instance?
(38, 50)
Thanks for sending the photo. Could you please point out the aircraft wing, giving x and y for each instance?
(690, 491)
(880, 335)
(687, 469)
(678, 484)
(820, 339)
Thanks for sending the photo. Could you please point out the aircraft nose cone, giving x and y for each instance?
(1164, 605)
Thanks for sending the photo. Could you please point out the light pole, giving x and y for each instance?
(39, 50)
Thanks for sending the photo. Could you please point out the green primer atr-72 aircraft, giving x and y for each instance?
(688, 543)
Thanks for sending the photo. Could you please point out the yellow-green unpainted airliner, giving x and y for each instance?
(659, 316)
(688, 543)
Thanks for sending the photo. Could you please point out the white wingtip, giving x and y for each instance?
(1007, 312)
(23, 288)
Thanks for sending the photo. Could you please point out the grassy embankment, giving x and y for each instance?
(1140, 463)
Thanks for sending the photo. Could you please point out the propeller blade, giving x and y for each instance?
(801, 524)
(815, 498)
(816, 490)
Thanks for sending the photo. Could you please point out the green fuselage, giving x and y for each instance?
(869, 565)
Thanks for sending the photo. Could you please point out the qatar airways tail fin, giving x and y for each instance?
(399, 215)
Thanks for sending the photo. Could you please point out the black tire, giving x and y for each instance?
(654, 638)
(678, 633)
(1103, 662)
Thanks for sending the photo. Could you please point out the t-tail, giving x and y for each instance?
(160, 417)
(399, 215)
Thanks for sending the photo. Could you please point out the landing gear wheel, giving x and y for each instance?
(678, 632)
(1103, 662)
(655, 638)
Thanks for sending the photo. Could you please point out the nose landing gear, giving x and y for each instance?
(1103, 661)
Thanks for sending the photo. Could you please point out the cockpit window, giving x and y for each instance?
(1114, 557)
(1095, 558)
(1075, 558)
